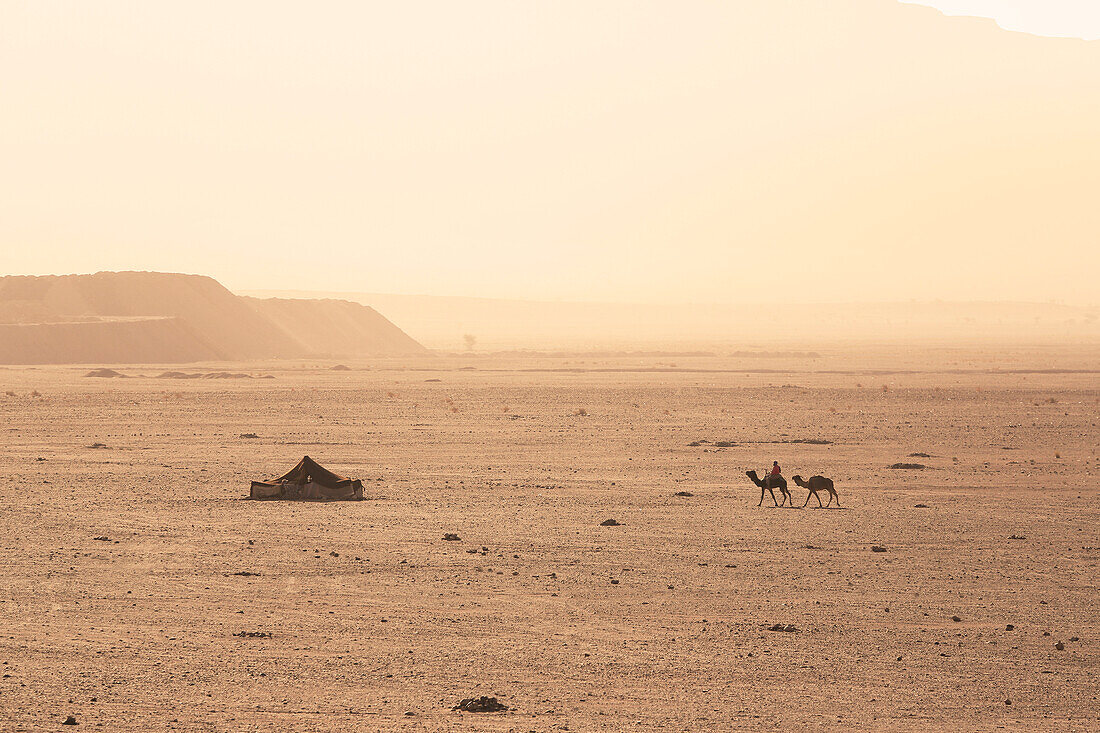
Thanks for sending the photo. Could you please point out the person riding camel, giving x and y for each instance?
(775, 472)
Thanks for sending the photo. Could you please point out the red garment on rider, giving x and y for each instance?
(775, 470)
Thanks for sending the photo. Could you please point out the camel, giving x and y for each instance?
(816, 484)
(769, 483)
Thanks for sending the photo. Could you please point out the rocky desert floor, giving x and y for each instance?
(133, 562)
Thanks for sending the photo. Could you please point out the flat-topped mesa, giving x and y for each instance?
(156, 317)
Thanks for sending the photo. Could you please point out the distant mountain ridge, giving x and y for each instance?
(155, 317)
(442, 321)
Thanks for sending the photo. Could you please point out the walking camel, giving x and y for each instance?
(769, 483)
(816, 484)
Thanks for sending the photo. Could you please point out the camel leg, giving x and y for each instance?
(789, 498)
(818, 496)
(761, 496)
(773, 495)
(837, 498)
(808, 495)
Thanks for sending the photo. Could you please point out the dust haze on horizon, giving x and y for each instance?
(630, 152)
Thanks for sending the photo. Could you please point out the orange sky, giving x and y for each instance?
(632, 151)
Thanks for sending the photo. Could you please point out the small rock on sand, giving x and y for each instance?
(481, 704)
(878, 548)
(1060, 646)
(451, 537)
(684, 493)
(910, 466)
(70, 721)
(610, 523)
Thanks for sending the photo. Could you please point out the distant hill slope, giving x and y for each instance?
(442, 321)
(336, 327)
(154, 317)
(116, 341)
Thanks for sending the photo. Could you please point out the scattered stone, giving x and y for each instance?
(102, 538)
(1074, 638)
(104, 374)
(481, 704)
(249, 435)
(610, 523)
(1008, 701)
(246, 573)
(451, 537)
(878, 548)
(1016, 537)
(253, 634)
(70, 721)
(433, 380)
(684, 493)
(1060, 646)
(956, 619)
(178, 375)
(724, 444)
(918, 455)
(334, 553)
(789, 628)
(920, 506)
(1009, 627)
(911, 466)
(98, 445)
(341, 368)
(614, 581)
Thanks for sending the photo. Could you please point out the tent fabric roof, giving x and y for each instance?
(310, 470)
(308, 480)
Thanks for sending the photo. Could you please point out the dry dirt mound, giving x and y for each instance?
(104, 373)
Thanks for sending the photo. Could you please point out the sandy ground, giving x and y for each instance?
(377, 623)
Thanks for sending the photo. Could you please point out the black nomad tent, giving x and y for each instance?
(308, 480)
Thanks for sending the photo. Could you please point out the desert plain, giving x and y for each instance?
(141, 590)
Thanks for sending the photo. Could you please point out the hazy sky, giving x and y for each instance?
(803, 150)
(1062, 18)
